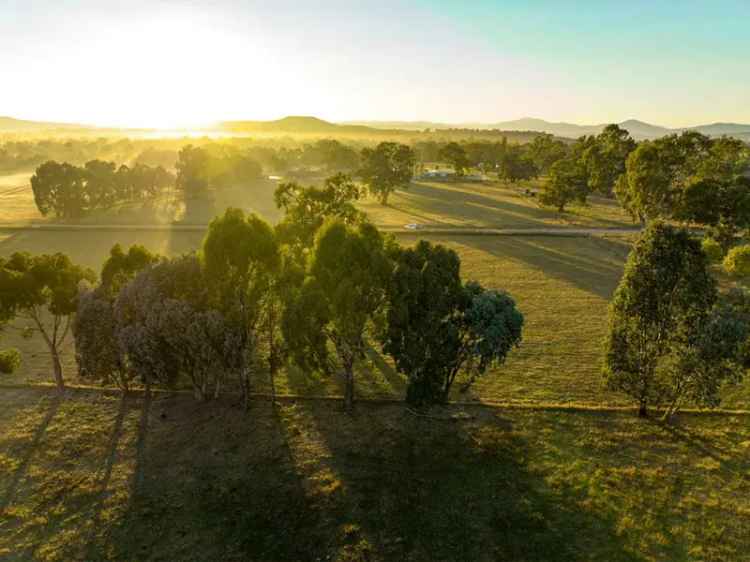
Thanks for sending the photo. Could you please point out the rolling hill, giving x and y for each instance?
(638, 129)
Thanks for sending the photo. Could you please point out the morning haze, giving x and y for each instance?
(371, 281)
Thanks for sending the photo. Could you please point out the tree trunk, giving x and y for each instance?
(349, 388)
(642, 412)
(384, 198)
(57, 368)
(272, 379)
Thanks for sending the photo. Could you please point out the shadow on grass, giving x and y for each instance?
(598, 275)
(473, 205)
(20, 472)
(217, 484)
(410, 488)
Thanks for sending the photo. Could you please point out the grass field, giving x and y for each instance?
(89, 477)
(16, 199)
(444, 204)
(489, 205)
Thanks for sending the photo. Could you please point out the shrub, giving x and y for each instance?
(737, 262)
(10, 360)
(712, 249)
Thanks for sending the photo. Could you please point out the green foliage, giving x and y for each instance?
(436, 325)
(567, 183)
(242, 262)
(645, 190)
(306, 208)
(723, 206)
(712, 249)
(58, 189)
(688, 177)
(544, 151)
(699, 363)
(605, 158)
(10, 360)
(344, 288)
(737, 261)
(72, 192)
(389, 166)
(38, 287)
(97, 347)
(514, 164)
(455, 155)
(121, 267)
(662, 303)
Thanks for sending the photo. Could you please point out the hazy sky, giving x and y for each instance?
(168, 62)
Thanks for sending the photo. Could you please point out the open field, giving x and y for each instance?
(16, 199)
(443, 204)
(89, 477)
(490, 205)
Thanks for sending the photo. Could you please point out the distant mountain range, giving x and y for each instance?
(637, 129)
(314, 126)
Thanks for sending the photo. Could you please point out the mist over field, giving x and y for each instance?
(371, 281)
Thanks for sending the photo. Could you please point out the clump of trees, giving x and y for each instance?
(438, 326)
(670, 340)
(200, 169)
(69, 191)
(593, 164)
(687, 177)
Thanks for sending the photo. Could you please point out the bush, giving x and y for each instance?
(712, 249)
(737, 262)
(10, 360)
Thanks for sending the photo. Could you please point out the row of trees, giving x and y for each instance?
(319, 294)
(69, 191)
(689, 178)
(317, 290)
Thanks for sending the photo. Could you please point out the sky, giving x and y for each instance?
(169, 63)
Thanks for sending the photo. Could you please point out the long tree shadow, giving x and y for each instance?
(482, 205)
(418, 488)
(216, 483)
(20, 471)
(597, 274)
(109, 463)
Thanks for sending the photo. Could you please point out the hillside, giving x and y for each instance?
(640, 130)
(10, 124)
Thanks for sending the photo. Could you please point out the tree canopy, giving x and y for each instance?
(43, 289)
(663, 341)
(344, 288)
(388, 166)
(437, 326)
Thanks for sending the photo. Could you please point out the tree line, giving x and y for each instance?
(324, 286)
(69, 191)
(316, 291)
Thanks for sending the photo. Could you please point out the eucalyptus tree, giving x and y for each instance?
(242, 262)
(387, 167)
(344, 288)
(667, 341)
(306, 208)
(456, 156)
(44, 290)
(437, 326)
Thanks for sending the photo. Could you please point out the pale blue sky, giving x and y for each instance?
(169, 62)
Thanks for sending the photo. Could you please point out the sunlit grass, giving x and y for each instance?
(89, 478)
